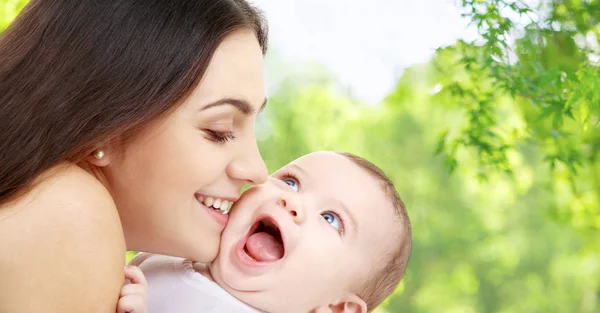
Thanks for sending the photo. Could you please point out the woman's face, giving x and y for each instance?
(166, 178)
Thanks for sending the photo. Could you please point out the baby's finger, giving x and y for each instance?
(131, 304)
(133, 290)
(135, 275)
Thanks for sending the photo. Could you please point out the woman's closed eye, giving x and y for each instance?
(219, 136)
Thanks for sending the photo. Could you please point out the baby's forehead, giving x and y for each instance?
(331, 170)
(323, 163)
(338, 177)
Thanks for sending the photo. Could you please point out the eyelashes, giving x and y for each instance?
(291, 176)
(218, 136)
(340, 221)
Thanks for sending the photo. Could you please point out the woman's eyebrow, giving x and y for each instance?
(242, 105)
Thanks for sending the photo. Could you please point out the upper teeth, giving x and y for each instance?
(217, 204)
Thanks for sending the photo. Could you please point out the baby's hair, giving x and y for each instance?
(386, 277)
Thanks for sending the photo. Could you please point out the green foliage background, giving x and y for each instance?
(494, 146)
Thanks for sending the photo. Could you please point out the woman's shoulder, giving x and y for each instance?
(68, 183)
(66, 235)
(63, 187)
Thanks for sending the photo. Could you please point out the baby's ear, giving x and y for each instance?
(350, 304)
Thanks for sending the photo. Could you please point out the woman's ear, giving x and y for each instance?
(350, 304)
(100, 157)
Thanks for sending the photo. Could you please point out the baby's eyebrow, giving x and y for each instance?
(299, 169)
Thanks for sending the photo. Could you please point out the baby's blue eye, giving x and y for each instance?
(333, 220)
(292, 183)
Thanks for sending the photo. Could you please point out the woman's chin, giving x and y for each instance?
(204, 253)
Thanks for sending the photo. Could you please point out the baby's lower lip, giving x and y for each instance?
(245, 262)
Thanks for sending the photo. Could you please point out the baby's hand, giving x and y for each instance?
(133, 298)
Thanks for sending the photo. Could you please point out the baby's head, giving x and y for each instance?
(327, 233)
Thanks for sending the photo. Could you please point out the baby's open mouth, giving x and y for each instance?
(265, 243)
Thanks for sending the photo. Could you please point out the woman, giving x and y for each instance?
(126, 113)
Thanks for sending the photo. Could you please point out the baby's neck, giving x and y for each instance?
(204, 270)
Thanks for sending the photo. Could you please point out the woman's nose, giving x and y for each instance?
(249, 166)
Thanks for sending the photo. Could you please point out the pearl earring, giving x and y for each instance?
(99, 154)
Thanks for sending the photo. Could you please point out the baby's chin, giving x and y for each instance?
(221, 273)
(231, 279)
(233, 284)
(255, 291)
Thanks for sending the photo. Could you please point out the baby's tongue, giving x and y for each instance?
(264, 248)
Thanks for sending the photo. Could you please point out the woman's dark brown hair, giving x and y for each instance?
(75, 73)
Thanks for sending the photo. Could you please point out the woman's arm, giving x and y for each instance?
(62, 248)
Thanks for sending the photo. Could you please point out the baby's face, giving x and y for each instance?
(304, 238)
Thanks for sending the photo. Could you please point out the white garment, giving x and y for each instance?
(175, 287)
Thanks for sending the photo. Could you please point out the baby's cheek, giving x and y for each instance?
(329, 270)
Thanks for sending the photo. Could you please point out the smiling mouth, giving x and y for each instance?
(264, 243)
(218, 205)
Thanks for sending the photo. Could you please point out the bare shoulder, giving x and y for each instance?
(61, 247)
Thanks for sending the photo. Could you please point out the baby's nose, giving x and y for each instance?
(293, 207)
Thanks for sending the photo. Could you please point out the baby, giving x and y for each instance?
(327, 233)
